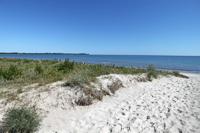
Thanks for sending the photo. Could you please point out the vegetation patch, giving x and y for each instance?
(20, 120)
(9, 73)
(38, 69)
(177, 74)
(151, 72)
(16, 73)
(65, 66)
(116, 85)
(84, 101)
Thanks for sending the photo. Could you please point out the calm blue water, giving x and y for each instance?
(182, 63)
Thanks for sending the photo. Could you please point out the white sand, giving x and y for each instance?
(167, 104)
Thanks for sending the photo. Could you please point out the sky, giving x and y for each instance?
(131, 27)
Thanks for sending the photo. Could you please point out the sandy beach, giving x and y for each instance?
(99, 66)
(167, 104)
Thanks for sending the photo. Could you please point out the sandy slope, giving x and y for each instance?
(168, 104)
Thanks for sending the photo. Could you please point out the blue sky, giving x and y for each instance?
(152, 27)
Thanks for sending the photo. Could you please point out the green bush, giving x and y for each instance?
(20, 120)
(1, 73)
(151, 72)
(10, 73)
(80, 79)
(38, 69)
(66, 66)
(177, 74)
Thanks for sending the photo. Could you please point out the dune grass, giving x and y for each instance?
(151, 72)
(177, 74)
(15, 73)
(20, 120)
(21, 72)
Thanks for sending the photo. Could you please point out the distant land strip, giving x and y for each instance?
(44, 53)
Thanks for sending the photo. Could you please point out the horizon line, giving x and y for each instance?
(82, 53)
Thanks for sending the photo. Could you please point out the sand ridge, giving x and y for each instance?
(167, 104)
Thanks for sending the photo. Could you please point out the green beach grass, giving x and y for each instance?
(21, 72)
(15, 73)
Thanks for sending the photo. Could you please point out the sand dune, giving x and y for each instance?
(167, 104)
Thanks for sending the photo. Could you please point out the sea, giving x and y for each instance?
(176, 63)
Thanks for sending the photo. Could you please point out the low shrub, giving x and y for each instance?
(10, 73)
(1, 73)
(177, 74)
(84, 101)
(72, 83)
(20, 120)
(38, 69)
(65, 66)
(116, 85)
(51, 75)
(151, 72)
(80, 77)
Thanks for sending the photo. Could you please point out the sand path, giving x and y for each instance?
(164, 105)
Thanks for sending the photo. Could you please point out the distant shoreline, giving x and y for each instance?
(161, 69)
(169, 63)
(98, 54)
(45, 53)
